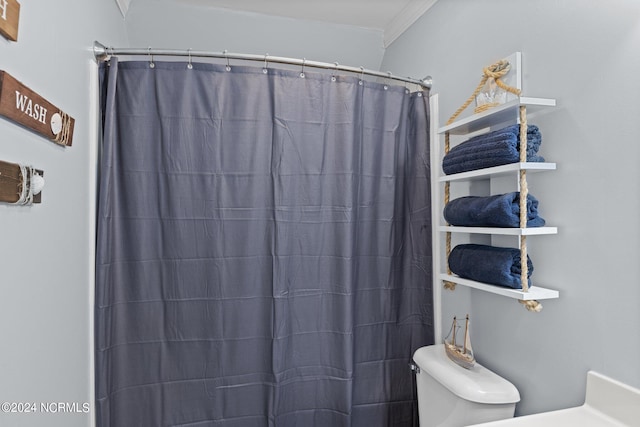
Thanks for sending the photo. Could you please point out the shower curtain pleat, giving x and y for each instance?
(264, 248)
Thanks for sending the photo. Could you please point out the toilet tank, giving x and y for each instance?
(451, 396)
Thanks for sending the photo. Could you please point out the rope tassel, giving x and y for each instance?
(531, 305)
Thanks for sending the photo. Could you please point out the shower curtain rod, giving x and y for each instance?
(103, 53)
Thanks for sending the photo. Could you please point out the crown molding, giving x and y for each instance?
(403, 20)
(124, 6)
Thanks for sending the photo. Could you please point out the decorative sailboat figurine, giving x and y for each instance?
(462, 355)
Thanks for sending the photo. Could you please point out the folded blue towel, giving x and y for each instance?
(489, 264)
(494, 211)
(510, 134)
(492, 149)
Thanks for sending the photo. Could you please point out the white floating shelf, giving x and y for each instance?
(535, 292)
(530, 231)
(501, 114)
(498, 171)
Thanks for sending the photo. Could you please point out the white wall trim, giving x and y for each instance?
(124, 6)
(436, 210)
(94, 143)
(402, 21)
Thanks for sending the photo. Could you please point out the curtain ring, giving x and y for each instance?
(302, 72)
(386, 85)
(189, 65)
(361, 82)
(265, 70)
(109, 55)
(333, 78)
(151, 63)
(228, 67)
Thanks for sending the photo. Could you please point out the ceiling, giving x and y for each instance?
(392, 17)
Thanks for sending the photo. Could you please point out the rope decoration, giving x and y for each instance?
(63, 136)
(531, 305)
(447, 187)
(496, 72)
(25, 196)
(524, 191)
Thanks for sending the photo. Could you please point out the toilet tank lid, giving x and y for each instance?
(477, 384)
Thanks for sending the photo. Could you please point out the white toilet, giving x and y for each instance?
(452, 396)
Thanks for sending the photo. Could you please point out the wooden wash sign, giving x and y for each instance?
(9, 19)
(24, 106)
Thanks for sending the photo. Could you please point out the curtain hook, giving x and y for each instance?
(302, 72)
(151, 63)
(333, 78)
(109, 55)
(361, 82)
(189, 65)
(266, 64)
(228, 67)
(386, 85)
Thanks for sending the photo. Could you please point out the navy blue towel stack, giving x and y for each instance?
(494, 211)
(496, 148)
(489, 264)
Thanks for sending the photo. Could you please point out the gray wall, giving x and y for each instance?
(167, 24)
(46, 278)
(584, 54)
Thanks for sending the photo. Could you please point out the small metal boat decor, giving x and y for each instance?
(460, 354)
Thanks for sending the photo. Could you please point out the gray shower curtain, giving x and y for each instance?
(264, 248)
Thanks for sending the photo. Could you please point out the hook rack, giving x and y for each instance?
(20, 184)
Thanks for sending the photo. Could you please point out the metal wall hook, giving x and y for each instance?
(151, 63)
(189, 65)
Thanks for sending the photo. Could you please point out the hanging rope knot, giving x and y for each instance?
(493, 74)
(449, 285)
(531, 305)
(495, 71)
